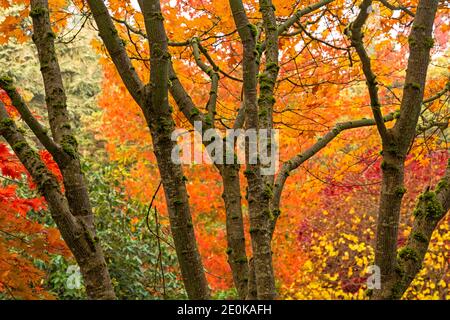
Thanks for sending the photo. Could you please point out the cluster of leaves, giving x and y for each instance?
(128, 232)
(339, 240)
(24, 242)
(324, 79)
(329, 88)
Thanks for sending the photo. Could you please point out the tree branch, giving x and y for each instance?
(400, 7)
(300, 13)
(268, 78)
(116, 49)
(184, 100)
(212, 72)
(55, 96)
(39, 131)
(299, 159)
(438, 94)
(356, 37)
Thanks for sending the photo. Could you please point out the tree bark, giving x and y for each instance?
(79, 237)
(396, 143)
(153, 100)
(431, 207)
(161, 127)
(179, 212)
(72, 211)
(258, 192)
(237, 256)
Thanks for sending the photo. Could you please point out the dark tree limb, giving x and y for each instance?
(38, 129)
(399, 7)
(293, 163)
(116, 49)
(356, 36)
(300, 13)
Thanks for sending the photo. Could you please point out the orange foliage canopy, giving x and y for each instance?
(320, 83)
(23, 240)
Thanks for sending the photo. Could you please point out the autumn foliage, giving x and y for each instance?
(325, 237)
(23, 240)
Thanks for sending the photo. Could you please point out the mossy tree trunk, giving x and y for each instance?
(258, 193)
(399, 268)
(431, 207)
(161, 126)
(237, 256)
(229, 172)
(153, 100)
(396, 145)
(72, 211)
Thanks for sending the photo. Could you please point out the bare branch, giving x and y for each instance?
(438, 94)
(116, 48)
(39, 131)
(355, 34)
(212, 73)
(300, 13)
(400, 7)
(323, 141)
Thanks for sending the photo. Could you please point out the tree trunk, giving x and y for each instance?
(90, 259)
(396, 144)
(259, 193)
(392, 191)
(237, 256)
(159, 119)
(79, 238)
(177, 201)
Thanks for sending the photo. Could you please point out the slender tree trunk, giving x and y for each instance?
(237, 257)
(153, 100)
(180, 217)
(258, 193)
(90, 258)
(392, 191)
(161, 126)
(74, 183)
(79, 238)
(396, 143)
(177, 200)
